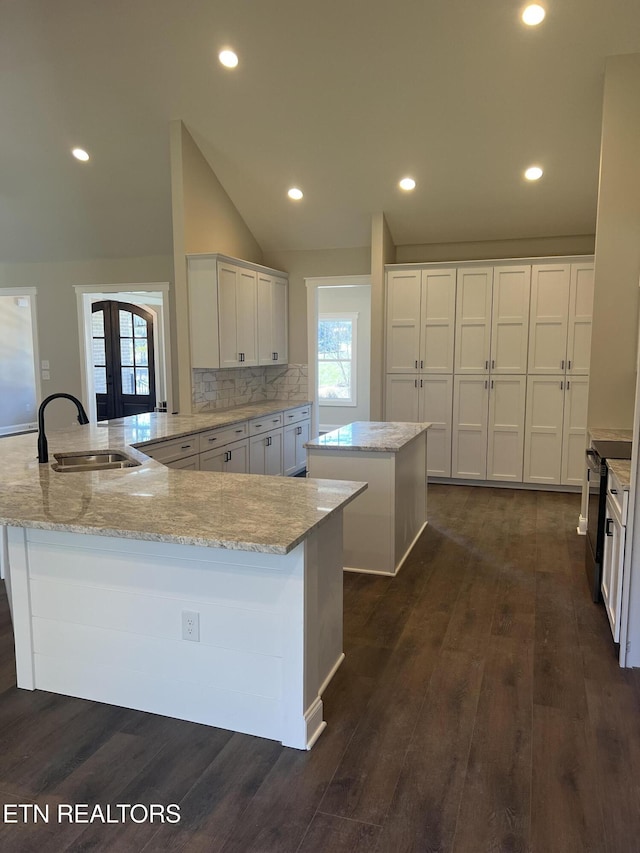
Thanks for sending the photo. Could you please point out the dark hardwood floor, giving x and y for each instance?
(480, 708)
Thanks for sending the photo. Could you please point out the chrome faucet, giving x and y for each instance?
(43, 448)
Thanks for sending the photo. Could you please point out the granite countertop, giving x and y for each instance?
(369, 436)
(602, 434)
(622, 469)
(152, 502)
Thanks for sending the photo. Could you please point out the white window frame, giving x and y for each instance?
(32, 293)
(352, 317)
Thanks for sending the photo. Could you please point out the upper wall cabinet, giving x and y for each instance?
(237, 313)
(492, 319)
(272, 319)
(420, 320)
(560, 327)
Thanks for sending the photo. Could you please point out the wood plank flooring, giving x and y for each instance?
(480, 708)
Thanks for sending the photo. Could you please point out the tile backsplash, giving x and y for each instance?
(221, 389)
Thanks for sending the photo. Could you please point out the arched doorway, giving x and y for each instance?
(123, 359)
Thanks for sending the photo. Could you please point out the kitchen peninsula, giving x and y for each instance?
(382, 527)
(211, 597)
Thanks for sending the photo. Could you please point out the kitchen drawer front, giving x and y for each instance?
(224, 435)
(619, 497)
(269, 422)
(293, 416)
(169, 451)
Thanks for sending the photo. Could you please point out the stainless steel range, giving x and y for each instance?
(597, 456)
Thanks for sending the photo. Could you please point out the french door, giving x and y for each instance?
(123, 359)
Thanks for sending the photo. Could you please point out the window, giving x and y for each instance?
(19, 388)
(337, 344)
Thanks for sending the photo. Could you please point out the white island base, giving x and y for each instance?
(101, 618)
(383, 525)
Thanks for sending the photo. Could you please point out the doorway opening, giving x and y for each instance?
(339, 346)
(125, 352)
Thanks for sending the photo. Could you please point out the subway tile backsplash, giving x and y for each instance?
(221, 389)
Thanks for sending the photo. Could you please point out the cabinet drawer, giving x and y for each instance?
(258, 425)
(217, 437)
(295, 415)
(619, 498)
(169, 451)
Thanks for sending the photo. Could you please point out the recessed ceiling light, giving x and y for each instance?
(80, 154)
(533, 15)
(295, 193)
(533, 173)
(407, 184)
(228, 58)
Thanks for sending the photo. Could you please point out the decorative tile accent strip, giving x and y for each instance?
(220, 389)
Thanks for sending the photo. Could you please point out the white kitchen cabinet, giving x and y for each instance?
(238, 311)
(488, 427)
(420, 320)
(189, 463)
(473, 320)
(505, 441)
(427, 398)
(543, 432)
(231, 459)
(272, 319)
(580, 318)
(402, 398)
(613, 556)
(225, 295)
(266, 453)
(574, 430)
(295, 436)
(561, 314)
(510, 319)
(470, 427)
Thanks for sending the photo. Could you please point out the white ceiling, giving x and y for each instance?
(341, 97)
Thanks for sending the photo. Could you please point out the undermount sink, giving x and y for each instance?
(100, 460)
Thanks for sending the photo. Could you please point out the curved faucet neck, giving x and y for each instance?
(43, 448)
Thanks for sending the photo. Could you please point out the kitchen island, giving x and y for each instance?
(382, 527)
(215, 598)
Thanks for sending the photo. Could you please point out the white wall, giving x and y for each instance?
(350, 300)
(58, 337)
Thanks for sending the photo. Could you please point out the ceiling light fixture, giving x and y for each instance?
(533, 15)
(80, 154)
(295, 193)
(407, 184)
(228, 58)
(533, 173)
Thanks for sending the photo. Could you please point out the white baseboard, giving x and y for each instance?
(398, 566)
(581, 529)
(332, 672)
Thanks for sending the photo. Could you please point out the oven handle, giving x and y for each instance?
(592, 456)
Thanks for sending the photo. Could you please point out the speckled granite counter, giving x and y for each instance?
(602, 434)
(152, 502)
(622, 469)
(376, 436)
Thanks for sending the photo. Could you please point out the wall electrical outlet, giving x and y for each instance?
(191, 626)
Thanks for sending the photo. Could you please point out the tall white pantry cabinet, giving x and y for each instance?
(496, 355)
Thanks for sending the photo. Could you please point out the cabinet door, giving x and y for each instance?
(290, 450)
(302, 437)
(510, 319)
(612, 569)
(543, 433)
(257, 454)
(213, 460)
(403, 321)
(237, 461)
(505, 448)
(247, 317)
(436, 403)
(438, 307)
(272, 319)
(190, 463)
(473, 319)
(580, 315)
(227, 308)
(470, 420)
(574, 431)
(273, 457)
(203, 312)
(550, 285)
(402, 399)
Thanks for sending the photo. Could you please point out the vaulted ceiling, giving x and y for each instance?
(341, 98)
